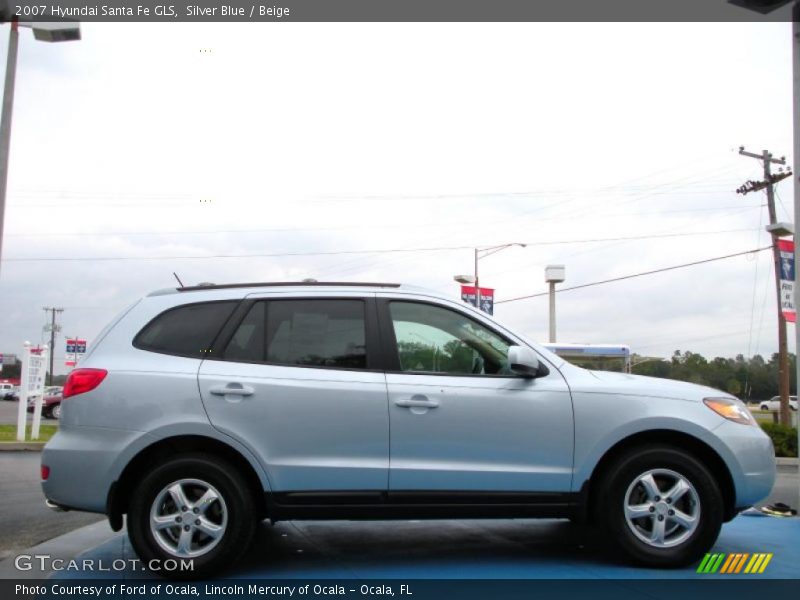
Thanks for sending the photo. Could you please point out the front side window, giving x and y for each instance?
(185, 331)
(432, 339)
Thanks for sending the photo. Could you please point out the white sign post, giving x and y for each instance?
(34, 366)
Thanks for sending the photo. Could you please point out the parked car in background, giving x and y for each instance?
(201, 411)
(51, 406)
(774, 403)
(7, 391)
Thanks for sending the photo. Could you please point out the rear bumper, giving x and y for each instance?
(83, 463)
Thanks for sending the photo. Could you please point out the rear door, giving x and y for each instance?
(294, 378)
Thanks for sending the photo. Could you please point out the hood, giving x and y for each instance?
(639, 385)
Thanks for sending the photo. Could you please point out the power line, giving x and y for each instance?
(375, 251)
(58, 234)
(642, 274)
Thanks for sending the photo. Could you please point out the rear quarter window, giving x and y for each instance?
(186, 330)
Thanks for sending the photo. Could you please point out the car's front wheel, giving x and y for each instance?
(55, 412)
(194, 508)
(661, 506)
(764, 407)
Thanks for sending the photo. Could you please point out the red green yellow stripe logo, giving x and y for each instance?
(736, 563)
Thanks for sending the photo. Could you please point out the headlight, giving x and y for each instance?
(731, 409)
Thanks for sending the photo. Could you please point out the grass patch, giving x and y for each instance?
(8, 433)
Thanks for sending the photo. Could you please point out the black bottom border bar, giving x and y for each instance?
(717, 586)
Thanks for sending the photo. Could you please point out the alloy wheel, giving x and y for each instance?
(662, 508)
(188, 518)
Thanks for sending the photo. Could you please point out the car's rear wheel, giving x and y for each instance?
(194, 508)
(55, 412)
(661, 506)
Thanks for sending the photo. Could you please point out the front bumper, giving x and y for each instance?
(751, 460)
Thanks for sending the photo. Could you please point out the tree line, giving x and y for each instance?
(750, 379)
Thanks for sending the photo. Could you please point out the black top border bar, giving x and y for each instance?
(397, 10)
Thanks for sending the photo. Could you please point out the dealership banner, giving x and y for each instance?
(75, 350)
(487, 298)
(786, 248)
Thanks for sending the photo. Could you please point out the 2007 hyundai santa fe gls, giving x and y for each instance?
(201, 411)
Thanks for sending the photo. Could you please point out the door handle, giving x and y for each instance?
(232, 389)
(417, 402)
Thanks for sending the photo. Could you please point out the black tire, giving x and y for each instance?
(47, 413)
(705, 497)
(239, 507)
(55, 411)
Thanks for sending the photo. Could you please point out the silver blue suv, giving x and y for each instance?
(201, 411)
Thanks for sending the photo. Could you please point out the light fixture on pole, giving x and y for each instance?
(553, 274)
(781, 229)
(45, 32)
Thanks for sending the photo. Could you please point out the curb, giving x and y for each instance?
(787, 462)
(21, 446)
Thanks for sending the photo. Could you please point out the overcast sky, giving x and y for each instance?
(175, 140)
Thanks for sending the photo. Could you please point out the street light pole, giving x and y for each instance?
(480, 253)
(477, 282)
(5, 121)
(45, 32)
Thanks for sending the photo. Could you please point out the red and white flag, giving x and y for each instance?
(786, 248)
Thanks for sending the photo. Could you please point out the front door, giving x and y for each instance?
(459, 419)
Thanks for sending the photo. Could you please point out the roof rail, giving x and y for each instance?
(213, 286)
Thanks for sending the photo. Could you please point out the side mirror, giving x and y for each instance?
(523, 361)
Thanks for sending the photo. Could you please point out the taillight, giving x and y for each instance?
(45, 472)
(81, 381)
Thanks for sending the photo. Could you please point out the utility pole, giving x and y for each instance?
(767, 184)
(53, 330)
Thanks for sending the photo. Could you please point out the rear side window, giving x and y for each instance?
(310, 333)
(185, 331)
(319, 333)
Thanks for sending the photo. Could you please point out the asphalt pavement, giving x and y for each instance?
(25, 521)
(8, 413)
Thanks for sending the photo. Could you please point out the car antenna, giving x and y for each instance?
(178, 278)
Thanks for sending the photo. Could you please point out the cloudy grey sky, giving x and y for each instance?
(155, 142)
